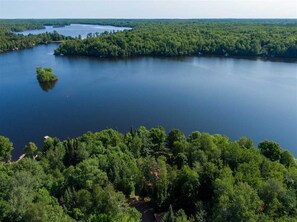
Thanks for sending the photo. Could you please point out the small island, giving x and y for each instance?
(45, 75)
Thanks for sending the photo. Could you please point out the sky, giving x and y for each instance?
(148, 8)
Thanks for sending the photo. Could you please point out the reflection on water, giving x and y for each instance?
(234, 97)
(46, 86)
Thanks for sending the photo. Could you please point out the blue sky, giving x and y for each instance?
(148, 8)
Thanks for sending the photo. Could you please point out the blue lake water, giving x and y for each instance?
(74, 30)
(234, 97)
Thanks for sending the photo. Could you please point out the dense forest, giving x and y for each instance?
(101, 177)
(263, 38)
(191, 37)
(10, 40)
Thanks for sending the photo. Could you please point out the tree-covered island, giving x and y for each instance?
(45, 75)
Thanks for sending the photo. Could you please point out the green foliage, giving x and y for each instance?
(186, 188)
(265, 38)
(245, 142)
(5, 148)
(173, 37)
(31, 149)
(10, 40)
(175, 135)
(158, 137)
(271, 150)
(236, 203)
(45, 75)
(200, 178)
(169, 216)
(181, 216)
(287, 159)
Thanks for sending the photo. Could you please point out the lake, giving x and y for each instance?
(234, 97)
(74, 30)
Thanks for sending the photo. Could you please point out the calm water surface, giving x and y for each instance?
(75, 30)
(233, 97)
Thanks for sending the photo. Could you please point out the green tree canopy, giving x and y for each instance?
(5, 149)
(270, 149)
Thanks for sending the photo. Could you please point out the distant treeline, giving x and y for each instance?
(191, 37)
(10, 41)
(195, 178)
(165, 37)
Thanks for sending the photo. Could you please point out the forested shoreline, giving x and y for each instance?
(200, 177)
(190, 38)
(104, 176)
(246, 38)
(10, 40)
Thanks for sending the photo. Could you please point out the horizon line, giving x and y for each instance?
(162, 18)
